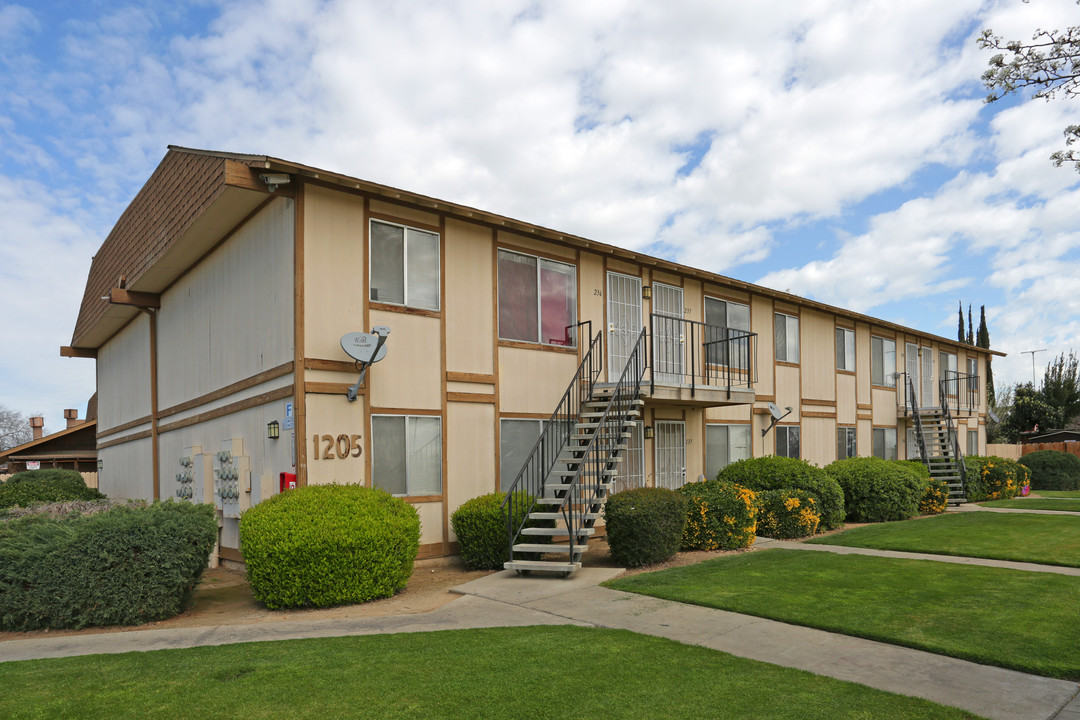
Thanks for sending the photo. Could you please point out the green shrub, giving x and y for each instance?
(719, 516)
(877, 490)
(124, 566)
(644, 525)
(786, 514)
(993, 478)
(1053, 470)
(36, 486)
(935, 499)
(780, 473)
(326, 545)
(480, 526)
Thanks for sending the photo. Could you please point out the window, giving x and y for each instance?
(882, 361)
(631, 471)
(912, 445)
(845, 443)
(972, 442)
(884, 441)
(404, 266)
(721, 317)
(787, 338)
(949, 373)
(787, 441)
(725, 444)
(517, 438)
(973, 367)
(537, 299)
(406, 454)
(845, 349)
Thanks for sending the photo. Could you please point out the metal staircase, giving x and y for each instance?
(939, 447)
(571, 470)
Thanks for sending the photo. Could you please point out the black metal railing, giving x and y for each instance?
(962, 390)
(555, 437)
(692, 354)
(573, 332)
(952, 437)
(913, 409)
(596, 457)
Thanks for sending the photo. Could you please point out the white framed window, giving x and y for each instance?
(884, 443)
(949, 373)
(846, 443)
(786, 333)
(537, 299)
(721, 317)
(973, 367)
(972, 442)
(725, 444)
(517, 438)
(845, 349)
(406, 454)
(882, 361)
(404, 266)
(787, 441)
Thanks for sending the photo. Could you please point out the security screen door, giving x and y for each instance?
(670, 453)
(668, 340)
(624, 320)
(927, 377)
(911, 367)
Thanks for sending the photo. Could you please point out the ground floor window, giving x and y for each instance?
(846, 446)
(884, 442)
(631, 471)
(670, 453)
(787, 441)
(406, 454)
(912, 452)
(973, 442)
(725, 444)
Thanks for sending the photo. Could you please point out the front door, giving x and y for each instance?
(668, 338)
(624, 320)
(911, 367)
(927, 377)
(670, 453)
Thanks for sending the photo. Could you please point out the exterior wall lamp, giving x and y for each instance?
(273, 430)
(646, 292)
(649, 432)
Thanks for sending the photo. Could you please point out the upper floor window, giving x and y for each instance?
(537, 299)
(845, 349)
(722, 317)
(404, 266)
(882, 361)
(973, 367)
(787, 338)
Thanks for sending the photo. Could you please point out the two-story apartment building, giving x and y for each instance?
(216, 306)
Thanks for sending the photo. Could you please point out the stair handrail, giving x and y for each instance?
(913, 406)
(953, 436)
(553, 438)
(596, 455)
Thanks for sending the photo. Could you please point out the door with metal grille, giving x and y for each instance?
(668, 337)
(911, 367)
(927, 377)
(670, 453)
(624, 320)
(631, 471)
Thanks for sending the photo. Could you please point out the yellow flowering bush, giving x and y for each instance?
(993, 478)
(786, 514)
(936, 498)
(719, 516)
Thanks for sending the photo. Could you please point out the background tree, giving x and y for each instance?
(1061, 386)
(1048, 65)
(1030, 411)
(982, 339)
(14, 428)
(960, 322)
(971, 332)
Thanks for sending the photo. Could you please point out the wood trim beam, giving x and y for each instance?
(329, 388)
(265, 376)
(126, 426)
(348, 366)
(127, 438)
(142, 300)
(470, 397)
(264, 398)
(466, 377)
(78, 352)
(155, 431)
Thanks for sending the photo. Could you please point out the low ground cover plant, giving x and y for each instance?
(877, 490)
(993, 478)
(1053, 470)
(787, 514)
(780, 473)
(480, 526)
(719, 515)
(120, 566)
(38, 486)
(327, 545)
(644, 525)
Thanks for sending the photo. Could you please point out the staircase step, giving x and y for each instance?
(600, 413)
(542, 566)
(559, 516)
(556, 531)
(548, 548)
(609, 472)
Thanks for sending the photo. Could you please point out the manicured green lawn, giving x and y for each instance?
(1046, 539)
(533, 672)
(1075, 494)
(1067, 505)
(1014, 619)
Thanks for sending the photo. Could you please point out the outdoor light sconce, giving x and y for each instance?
(649, 432)
(646, 292)
(273, 430)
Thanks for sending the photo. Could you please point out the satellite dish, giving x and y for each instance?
(993, 415)
(776, 412)
(362, 347)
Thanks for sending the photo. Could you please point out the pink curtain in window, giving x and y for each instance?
(556, 306)
(517, 297)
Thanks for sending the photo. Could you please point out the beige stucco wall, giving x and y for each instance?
(469, 299)
(533, 381)
(334, 415)
(471, 455)
(409, 376)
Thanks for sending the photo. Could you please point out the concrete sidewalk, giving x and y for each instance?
(972, 507)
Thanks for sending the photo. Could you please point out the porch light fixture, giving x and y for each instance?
(273, 430)
(646, 292)
(649, 432)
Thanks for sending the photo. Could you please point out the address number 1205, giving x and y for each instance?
(341, 447)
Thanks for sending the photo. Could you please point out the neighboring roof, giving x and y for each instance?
(33, 449)
(1053, 436)
(189, 181)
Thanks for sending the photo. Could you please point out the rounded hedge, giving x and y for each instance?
(326, 545)
(719, 515)
(480, 526)
(993, 478)
(122, 566)
(877, 490)
(780, 473)
(1053, 470)
(644, 525)
(786, 514)
(41, 486)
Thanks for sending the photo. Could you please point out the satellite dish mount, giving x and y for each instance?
(777, 416)
(366, 349)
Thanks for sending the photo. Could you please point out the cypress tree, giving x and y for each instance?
(983, 340)
(971, 333)
(960, 322)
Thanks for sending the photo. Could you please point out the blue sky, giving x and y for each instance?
(839, 150)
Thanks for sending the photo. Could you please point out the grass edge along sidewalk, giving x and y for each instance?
(486, 673)
(1058, 504)
(1021, 537)
(993, 616)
